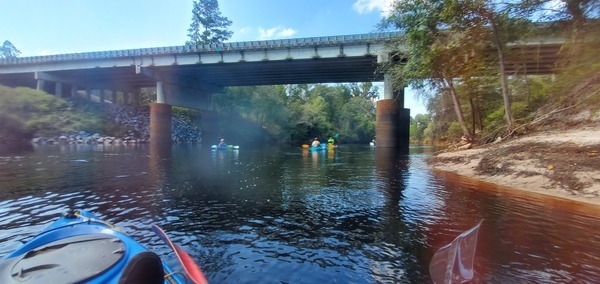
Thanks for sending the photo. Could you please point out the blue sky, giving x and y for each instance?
(39, 27)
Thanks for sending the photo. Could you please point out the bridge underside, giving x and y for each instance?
(532, 60)
(325, 70)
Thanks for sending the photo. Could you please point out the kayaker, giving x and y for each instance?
(331, 141)
(316, 142)
(222, 143)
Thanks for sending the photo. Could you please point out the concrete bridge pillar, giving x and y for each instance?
(160, 123)
(160, 118)
(58, 89)
(160, 93)
(392, 119)
(40, 85)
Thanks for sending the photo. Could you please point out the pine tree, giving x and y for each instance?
(8, 50)
(208, 25)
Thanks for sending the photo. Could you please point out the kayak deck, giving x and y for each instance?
(78, 248)
(69, 260)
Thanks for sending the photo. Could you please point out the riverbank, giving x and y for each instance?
(137, 122)
(563, 163)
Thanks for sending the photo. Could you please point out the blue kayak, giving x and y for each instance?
(79, 248)
(321, 147)
(225, 147)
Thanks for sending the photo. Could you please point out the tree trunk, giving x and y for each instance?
(473, 113)
(459, 113)
(503, 80)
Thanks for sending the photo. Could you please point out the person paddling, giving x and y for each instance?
(316, 143)
(222, 143)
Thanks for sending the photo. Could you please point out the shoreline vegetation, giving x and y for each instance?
(557, 153)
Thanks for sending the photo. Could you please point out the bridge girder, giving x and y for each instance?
(339, 59)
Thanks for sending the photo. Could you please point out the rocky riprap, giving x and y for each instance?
(138, 121)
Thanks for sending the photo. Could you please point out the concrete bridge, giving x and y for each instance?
(189, 76)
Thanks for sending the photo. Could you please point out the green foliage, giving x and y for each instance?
(494, 120)
(429, 136)
(8, 50)
(265, 106)
(186, 115)
(460, 50)
(357, 120)
(25, 113)
(364, 90)
(418, 126)
(208, 26)
(147, 96)
(297, 113)
(454, 131)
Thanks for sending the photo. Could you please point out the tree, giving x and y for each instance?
(495, 24)
(208, 26)
(8, 50)
(366, 90)
(418, 125)
(434, 54)
(452, 43)
(357, 120)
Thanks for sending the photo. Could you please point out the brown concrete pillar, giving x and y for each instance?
(392, 125)
(160, 123)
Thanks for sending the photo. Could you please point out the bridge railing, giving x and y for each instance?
(228, 46)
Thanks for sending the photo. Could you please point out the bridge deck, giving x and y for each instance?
(332, 59)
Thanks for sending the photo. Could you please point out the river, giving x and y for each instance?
(286, 215)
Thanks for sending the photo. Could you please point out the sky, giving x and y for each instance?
(40, 27)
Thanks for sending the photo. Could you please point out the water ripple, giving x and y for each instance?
(353, 215)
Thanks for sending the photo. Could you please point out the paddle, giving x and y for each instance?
(453, 263)
(190, 267)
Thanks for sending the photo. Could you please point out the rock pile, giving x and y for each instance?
(83, 137)
(138, 120)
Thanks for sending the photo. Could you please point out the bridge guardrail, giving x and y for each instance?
(228, 46)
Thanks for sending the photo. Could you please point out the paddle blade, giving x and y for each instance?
(189, 265)
(453, 263)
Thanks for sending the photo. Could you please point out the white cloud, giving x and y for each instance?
(367, 6)
(245, 30)
(275, 32)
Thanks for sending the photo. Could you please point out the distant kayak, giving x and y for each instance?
(227, 147)
(79, 248)
(321, 147)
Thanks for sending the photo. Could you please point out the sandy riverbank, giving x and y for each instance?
(561, 163)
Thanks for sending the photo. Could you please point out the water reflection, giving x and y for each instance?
(351, 215)
(15, 148)
(523, 236)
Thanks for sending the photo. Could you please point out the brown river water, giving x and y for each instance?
(355, 214)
